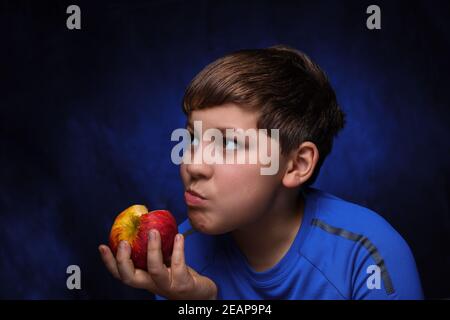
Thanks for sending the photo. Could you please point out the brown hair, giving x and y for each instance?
(284, 85)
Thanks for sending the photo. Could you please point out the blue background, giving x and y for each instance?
(86, 118)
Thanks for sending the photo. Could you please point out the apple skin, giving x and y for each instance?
(133, 225)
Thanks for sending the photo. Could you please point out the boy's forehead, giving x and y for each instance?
(224, 116)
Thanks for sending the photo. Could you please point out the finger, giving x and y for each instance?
(109, 260)
(155, 265)
(125, 264)
(143, 280)
(180, 275)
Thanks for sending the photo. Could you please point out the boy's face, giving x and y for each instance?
(234, 194)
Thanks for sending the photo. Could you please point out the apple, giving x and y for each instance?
(133, 225)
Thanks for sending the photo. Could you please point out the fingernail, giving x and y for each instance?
(178, 237)
(123, 244)
(152, 235)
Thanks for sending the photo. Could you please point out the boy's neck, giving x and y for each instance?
(265, 242)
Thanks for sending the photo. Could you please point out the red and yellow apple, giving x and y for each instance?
(133, 225)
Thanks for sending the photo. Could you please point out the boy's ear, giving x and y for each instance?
(301, 164)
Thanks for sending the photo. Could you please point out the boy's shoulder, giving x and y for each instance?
(347, 238)
(343, 224)
(348, 219)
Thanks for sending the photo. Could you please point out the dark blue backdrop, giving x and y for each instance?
(86, 118)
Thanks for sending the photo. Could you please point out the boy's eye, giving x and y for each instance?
(194, 140)
(230, 144)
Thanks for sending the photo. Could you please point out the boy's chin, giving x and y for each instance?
(206, 226)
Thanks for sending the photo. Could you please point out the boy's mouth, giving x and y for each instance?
(193, 198)
(195, 193)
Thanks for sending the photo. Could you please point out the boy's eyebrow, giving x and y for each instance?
(221, 129)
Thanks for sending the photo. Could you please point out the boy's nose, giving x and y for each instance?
(199, 170)
(196, 166)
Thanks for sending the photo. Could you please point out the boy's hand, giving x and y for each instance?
(179, 281)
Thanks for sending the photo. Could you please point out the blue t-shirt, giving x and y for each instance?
(341, 251)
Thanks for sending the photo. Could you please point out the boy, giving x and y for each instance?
(255, 236)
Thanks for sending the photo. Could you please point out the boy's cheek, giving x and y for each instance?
(183, 173)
